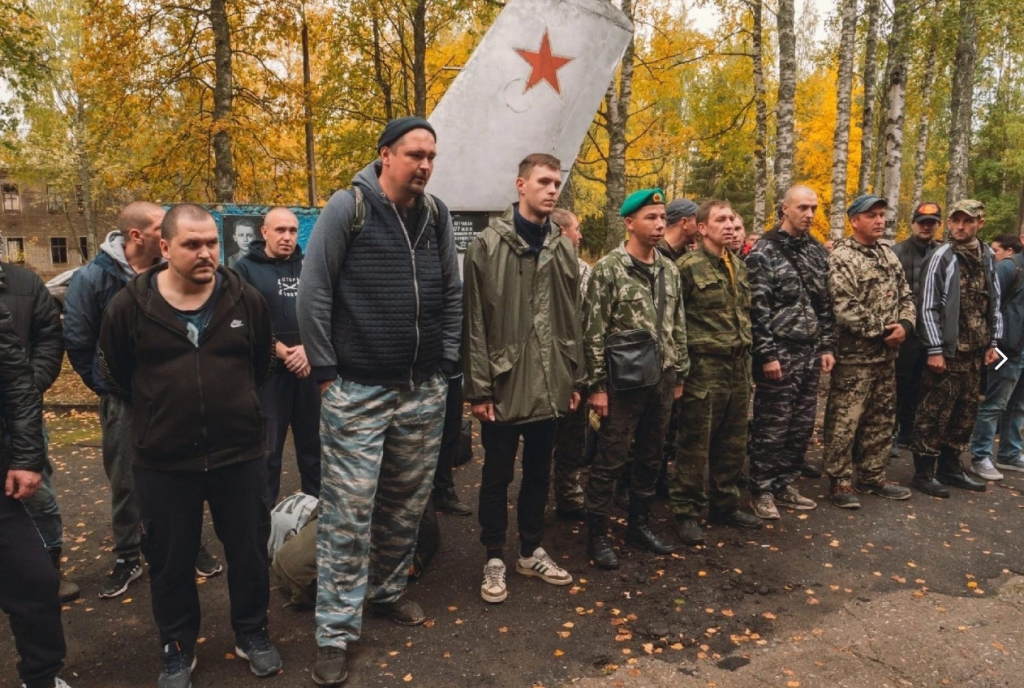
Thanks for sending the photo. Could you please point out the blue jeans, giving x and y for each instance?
(1003, 406)
(43, 507)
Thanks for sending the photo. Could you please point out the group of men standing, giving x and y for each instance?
(356, 346)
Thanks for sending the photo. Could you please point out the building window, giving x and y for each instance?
(16, 251)
(58, 250)
(11, 198)
(54, 199)
(83, 246)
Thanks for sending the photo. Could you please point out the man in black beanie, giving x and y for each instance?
(380, 316)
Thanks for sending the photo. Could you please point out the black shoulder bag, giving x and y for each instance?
(633, 357)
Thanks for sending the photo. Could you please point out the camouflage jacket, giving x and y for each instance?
(869, 290)
(619, 298)
(789, 299)
(717, 315)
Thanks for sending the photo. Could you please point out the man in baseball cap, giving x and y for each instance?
(680, 230)
(913, 253)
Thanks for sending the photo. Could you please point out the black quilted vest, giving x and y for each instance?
(391, 296)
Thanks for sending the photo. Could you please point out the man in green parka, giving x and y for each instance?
(522, 351)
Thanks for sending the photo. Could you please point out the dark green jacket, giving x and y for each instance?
(522, 338)
(717, 315)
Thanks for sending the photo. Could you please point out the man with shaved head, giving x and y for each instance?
(131, 249)
(794, 333)
(289, 397)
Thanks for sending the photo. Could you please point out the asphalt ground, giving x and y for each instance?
(718, 604)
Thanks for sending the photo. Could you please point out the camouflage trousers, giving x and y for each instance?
(380, 448)
(783, 419)
(948, 407)
(859, 419)
(638, 419)
(570, 442)
(711, 446)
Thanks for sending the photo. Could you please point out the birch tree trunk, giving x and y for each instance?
(961, 103)
(867, 136)
(618, 101)
(761, 129)
(894, 116)
(787, 95)
(223, 92)
(841, 140)
(924, 124)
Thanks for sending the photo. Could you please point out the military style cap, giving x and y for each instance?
(968, 207)
(680, 208)
(864, 203)
(638, 199)
(397, 128)
(927, 211)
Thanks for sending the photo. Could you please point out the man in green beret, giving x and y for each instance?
(713, 413)
(632, 288)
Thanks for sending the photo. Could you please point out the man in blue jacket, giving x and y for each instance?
(961, 326)
(289, 397)
(131, 249)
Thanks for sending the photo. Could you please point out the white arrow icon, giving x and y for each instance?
(1002, 362)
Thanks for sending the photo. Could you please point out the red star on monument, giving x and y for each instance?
(544, 65)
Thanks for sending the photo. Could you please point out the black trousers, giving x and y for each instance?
(285, 401)
(28, 595)
(501, 444)
(172, 522)
(910, 365)
(443, 479)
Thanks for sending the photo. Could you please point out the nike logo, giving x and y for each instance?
(237, 323)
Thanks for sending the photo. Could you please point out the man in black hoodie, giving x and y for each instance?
(289, 397)
(185, 346)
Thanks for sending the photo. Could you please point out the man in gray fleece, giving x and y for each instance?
(380, 315)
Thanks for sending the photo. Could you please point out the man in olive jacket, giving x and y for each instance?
(522, 349)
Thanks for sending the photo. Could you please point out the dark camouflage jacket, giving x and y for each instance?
(620, 298)
(869, 290)
(789, 299)
(717, 315)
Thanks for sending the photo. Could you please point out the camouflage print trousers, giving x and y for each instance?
(783, 418)
(570, 443)
(638, 419)
(859, 418)
(380, 448)
(948, 407)
(711, 445)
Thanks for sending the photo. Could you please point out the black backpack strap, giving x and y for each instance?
(661, 304)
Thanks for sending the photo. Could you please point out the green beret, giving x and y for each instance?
(638, 199)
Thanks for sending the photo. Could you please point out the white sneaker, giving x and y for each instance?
(985, 470)
(1014, 464)
(540, 565)
(764, 507)
(493, 589)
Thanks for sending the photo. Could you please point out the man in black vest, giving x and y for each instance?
(380, 314)
(289, 397)
(913, 253)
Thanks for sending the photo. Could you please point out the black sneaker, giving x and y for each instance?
(402, 611)
(735, 519)
(577, 514)
(331, 668)
(177, 667)
(448, 502)
(809, 470)
(206, 565)
(125, 571)
(264, 659)
(843, 495)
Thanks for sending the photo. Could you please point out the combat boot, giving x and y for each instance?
(639, 533)
(598, 547)
(951, 472)
(924, 477)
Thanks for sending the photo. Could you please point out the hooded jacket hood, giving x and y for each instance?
(113, 246)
